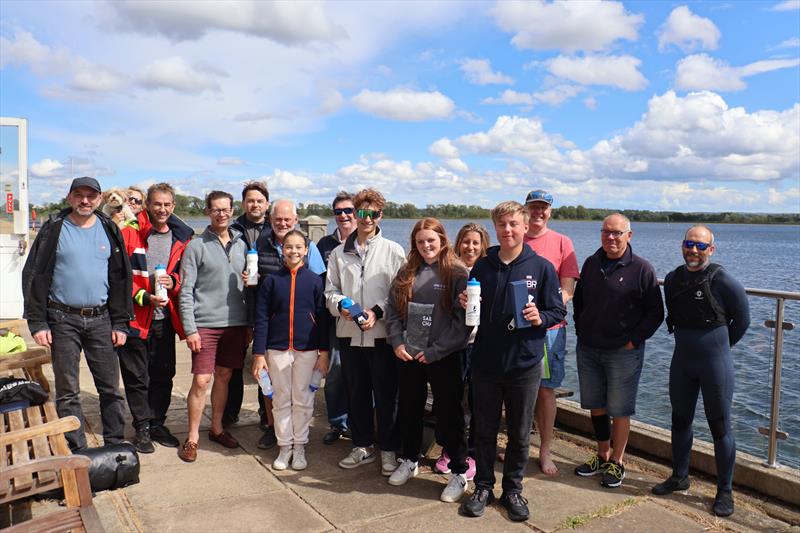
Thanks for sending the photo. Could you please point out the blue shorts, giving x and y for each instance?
(609, 379)
(556, 342)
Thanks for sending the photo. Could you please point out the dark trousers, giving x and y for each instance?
(335, 393)
(92, 335)
(517, 390)
(370, 374)
(447, 385)
(466, 380)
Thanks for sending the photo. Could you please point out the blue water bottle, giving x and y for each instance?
(356, 312)
(316, 380)
(265, 383)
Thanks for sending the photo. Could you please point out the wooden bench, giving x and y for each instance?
(27, 365)
(35, 458)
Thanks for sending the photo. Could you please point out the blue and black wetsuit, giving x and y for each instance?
(709, 313)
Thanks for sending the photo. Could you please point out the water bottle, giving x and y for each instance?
(161, 291)
(252, 267)
(473, 316)
(356, 312)
(265, 383)
(316, 380)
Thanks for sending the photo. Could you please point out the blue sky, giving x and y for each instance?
(641, 105)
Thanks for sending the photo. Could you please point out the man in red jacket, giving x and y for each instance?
(147, 359)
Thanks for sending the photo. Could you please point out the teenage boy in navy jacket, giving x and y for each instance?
(507, 359)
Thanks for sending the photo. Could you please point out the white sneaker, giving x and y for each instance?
(282, 461)
(358, 456)
(455, 488)
(388, 463)
(299, 457)
(403, 472)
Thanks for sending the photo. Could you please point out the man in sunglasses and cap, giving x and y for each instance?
(708, 312)
(77, 289)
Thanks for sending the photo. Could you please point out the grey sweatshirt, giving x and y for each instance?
(212, 292)
(448, 333)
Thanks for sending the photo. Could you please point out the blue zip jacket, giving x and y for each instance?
(497, 349)
(290, 312)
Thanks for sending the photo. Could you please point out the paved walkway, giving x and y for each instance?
(237, 490)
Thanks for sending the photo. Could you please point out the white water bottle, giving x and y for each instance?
(316, 380)
(161, 290)
(252, 267)
(473, 316)
(265, 383)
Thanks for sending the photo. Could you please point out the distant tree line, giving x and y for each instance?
(190, 206)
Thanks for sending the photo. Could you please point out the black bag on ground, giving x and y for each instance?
(113, 466)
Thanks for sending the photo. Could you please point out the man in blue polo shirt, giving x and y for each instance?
(77, 289)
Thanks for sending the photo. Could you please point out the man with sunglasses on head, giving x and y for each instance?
(335, 394)
(618, 306)
(362, 269)
(708, 312)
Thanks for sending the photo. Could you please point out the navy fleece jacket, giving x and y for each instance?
(497, 349)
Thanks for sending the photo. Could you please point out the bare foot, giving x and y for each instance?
(547, 465)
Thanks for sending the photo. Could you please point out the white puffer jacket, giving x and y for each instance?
(366, 282)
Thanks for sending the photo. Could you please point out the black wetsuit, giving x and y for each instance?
(706, 326)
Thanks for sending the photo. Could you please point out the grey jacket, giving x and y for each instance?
(212, 292)
(448, 332)
(366, 282)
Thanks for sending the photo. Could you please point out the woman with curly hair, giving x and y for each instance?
(426, 330)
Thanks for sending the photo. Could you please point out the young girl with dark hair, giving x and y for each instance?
(424, 310)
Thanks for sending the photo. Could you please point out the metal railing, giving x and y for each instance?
(772, 432)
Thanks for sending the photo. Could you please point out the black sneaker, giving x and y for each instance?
(268, 439)
(332, 436)
(671, 485)
(723, 503)
(476, 504)
(516, 505)
(142, 441)
(613, 474)
(591, 467)
(162, 435)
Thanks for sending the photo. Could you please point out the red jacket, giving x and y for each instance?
(136, 246)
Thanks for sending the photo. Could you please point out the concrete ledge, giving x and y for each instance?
(782, 483)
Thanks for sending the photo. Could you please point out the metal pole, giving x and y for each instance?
(776, 386)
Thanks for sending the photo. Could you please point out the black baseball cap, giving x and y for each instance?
(85, 181)
(539, 196)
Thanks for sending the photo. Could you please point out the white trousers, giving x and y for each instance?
(292, 400)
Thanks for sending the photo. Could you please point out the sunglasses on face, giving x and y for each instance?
(343, 211)
(371, 213)
(701, 246)
(134, 201)
(614, 234)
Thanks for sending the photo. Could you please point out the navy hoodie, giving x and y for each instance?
(497, 349)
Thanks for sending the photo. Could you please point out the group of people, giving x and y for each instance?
(381, 325)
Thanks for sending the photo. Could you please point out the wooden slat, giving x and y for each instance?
(58, 443)
(64, 520)
(30, 358)
(41, 447)
(19, 448)
(51, 464)
(61, 425)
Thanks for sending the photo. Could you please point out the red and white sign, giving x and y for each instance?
(9, 202)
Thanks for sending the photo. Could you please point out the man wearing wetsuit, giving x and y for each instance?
(708, 312)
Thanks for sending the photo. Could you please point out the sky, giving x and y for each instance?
(629, 105)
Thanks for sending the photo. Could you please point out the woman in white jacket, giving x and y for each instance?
(362, 269)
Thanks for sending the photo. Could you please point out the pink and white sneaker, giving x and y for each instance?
(442, 465)
(470, 473)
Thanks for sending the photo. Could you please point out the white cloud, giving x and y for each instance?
(554, 96)
(231, 161)
(701, 71)
(46, 168)
(590, 102)
(688, 31)
(288, 23)
(794, 42)
(479, 72)
(615, 71)
(444, 148)
(569, 26)
(509, 97)
(176, 74)
(97, 79)
(404, 105)
(287, 183)
(786, 5)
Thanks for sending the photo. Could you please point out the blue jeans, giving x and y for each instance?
(335, 393)
(609, 379)
(71, 334)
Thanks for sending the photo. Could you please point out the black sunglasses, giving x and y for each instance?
(134, 201)
(343, 211)
(702, 246)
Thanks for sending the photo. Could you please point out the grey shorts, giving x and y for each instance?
(609, 379)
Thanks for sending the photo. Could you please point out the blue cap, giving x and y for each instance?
(346, 302)
(252, 251)
(474, 282)
(539, 196)
(160, 267)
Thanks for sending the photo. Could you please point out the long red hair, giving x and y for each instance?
(449, 267)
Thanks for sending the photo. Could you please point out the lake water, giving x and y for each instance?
(760, 256)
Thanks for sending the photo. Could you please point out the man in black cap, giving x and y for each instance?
(77, 289)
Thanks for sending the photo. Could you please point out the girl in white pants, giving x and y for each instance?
(291, 341)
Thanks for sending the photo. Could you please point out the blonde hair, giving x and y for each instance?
(509, 208)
